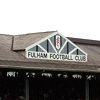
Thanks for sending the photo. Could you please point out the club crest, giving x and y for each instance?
(57, 42)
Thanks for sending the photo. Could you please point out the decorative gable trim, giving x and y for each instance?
(56, 47)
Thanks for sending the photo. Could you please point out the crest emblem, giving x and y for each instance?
(57, 42)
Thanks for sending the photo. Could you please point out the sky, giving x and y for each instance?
(72, 18)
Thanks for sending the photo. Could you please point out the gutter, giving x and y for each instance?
(49, 69)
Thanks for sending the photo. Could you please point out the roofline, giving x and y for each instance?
(75, 40)
(7, 34)
(53, 33)
(48, 69)
(35, 33)
(84, 41)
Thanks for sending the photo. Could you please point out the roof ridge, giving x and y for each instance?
(35, 33)
(6, 34)
(84, 41)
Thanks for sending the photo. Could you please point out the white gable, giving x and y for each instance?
(56, 47)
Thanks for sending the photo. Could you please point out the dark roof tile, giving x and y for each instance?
(23, 41)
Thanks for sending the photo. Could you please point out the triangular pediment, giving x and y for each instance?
(56, 47)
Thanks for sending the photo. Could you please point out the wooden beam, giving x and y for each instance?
(87, 90)
(27, 89)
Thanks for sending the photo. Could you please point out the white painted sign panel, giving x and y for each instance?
(56, 47)
(57, 56)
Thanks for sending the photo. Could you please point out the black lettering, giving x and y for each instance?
(57, 56)
(84, 58)
(69, 57)
(51, 56)
(77, 58)
(45, 55)
(54, 56)
(33, 55)
(38, 55)
(63, 57)
(60, 56)
(29, 53)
